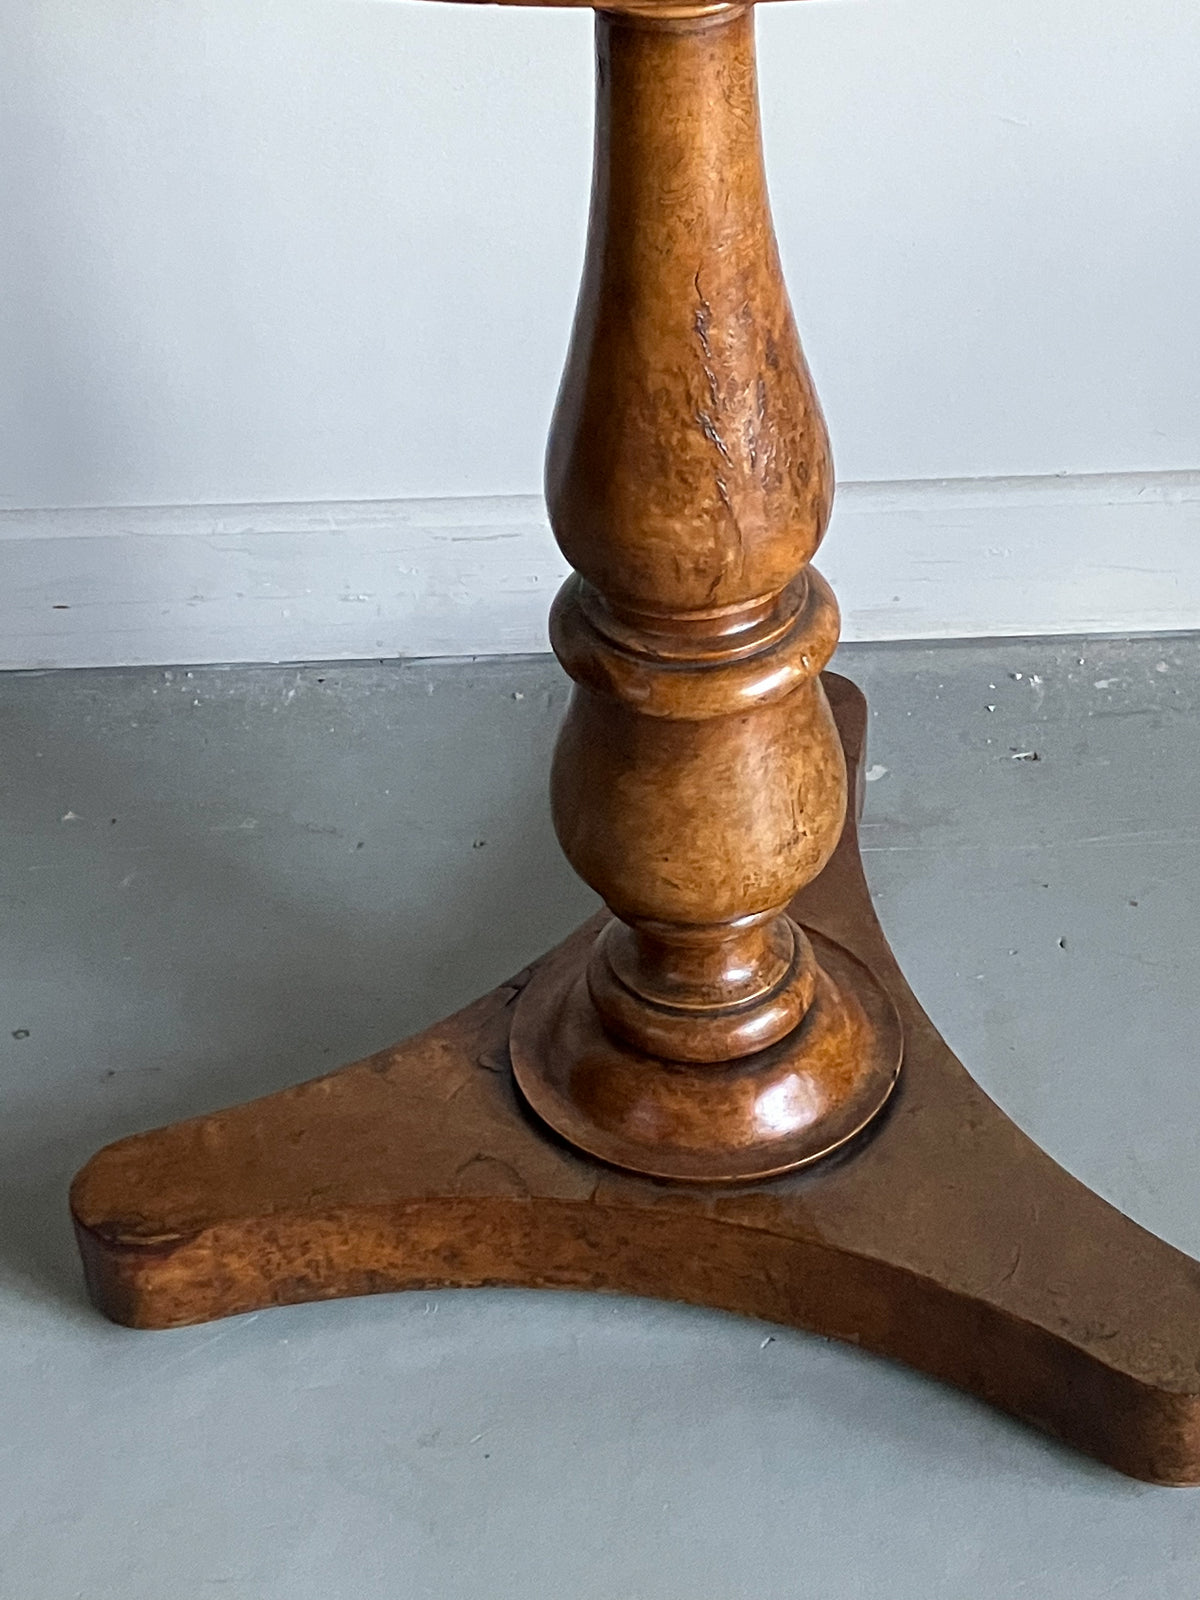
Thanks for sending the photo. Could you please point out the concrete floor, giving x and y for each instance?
(221, 881)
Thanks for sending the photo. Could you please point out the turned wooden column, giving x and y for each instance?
(699, 781)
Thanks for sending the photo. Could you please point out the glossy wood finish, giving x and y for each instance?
(780, 1108)
(698, 782)
(944, 1238)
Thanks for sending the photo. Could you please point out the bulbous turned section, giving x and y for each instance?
(698, 781)
(688, 475)
(696, 794)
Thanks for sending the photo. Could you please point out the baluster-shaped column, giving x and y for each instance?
(698, 782)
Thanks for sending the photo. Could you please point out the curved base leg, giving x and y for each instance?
(943, 1237)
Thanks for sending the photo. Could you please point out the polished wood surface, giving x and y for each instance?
(698, 782)
(741, 1013)
(944, 1238)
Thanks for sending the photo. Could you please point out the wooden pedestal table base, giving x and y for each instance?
(944, 1238)
(701, 1038)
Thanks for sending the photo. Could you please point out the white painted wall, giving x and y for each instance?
(257, 251)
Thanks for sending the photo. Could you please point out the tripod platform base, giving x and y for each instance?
(941, 1236)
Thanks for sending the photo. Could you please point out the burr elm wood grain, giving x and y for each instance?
(741, 1012)
(698, 781)
(945, 1238)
